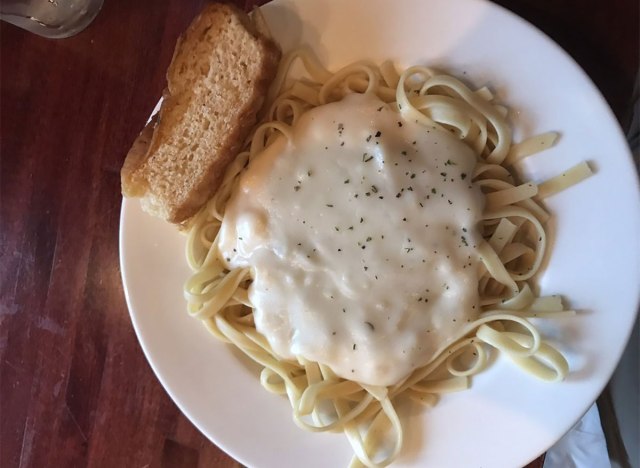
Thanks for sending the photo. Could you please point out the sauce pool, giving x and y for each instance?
(361, 236)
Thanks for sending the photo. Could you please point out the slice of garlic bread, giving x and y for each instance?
(216, 84)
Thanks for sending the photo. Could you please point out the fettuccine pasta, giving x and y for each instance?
(512, 248)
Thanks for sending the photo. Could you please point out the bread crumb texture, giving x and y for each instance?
(216, 84)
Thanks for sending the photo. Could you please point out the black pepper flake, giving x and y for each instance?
(296, 187)
(433, 190)
(336, 228)
(366, 268)
(413, 176)
(329, 206)
(350, 228)
(228, 259)
(421, 205)
(368, 194)
(403, 153)
(398, 195)
(370, 325)
(399, 124)
(369, 138)
(354, 346)
(463, 176)
(379, 108)
(404, 219)
(342, 143)
(361, 220)
(378, 134)
(368, 239)
(346, 181)
(443, 174)
(374, 189)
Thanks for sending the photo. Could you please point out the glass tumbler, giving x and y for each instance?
(50, 18)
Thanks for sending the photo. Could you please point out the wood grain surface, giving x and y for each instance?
(75, 388)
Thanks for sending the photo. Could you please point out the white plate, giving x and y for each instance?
(506, 419)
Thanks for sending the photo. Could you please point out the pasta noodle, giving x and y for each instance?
(511, 254)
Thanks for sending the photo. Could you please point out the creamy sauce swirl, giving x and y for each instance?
(361, 237)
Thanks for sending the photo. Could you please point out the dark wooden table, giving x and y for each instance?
(75, 389)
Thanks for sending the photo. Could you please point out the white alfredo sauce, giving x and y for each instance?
(361, 238)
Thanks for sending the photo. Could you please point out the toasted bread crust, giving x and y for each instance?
(132, 184)
(173, 179)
